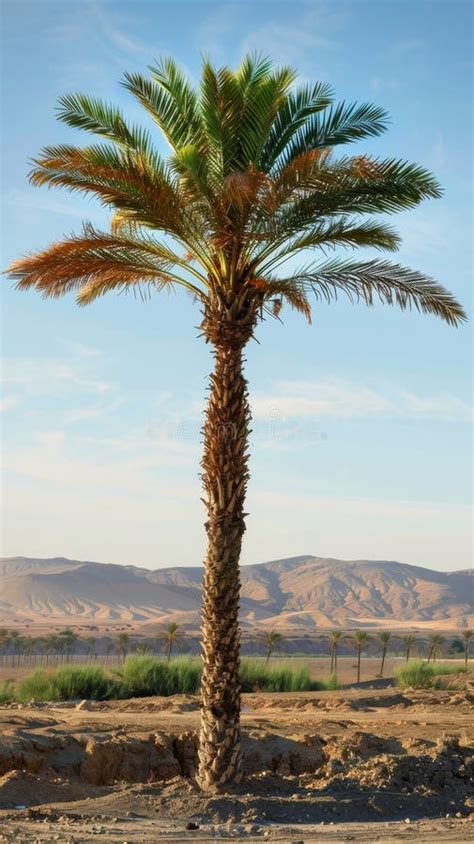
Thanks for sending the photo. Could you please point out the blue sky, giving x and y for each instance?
(362, 433)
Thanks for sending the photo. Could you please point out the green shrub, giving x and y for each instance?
(38, 686)
(281, 677)
(440, 668)
(421, 675)
(83, 681)
(7, 692)
(67, 683)
(146, 675)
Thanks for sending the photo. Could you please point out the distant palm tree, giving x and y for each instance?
(271, 639)
(360, 639)
(408, 642)
(467, 635)
(123, 644)
(171, 635)
(251, 183)
(109, 649)
(385, 638)
(4, 641)
(436, 645)
(90, 642)
(335, 638)
(15, 644)
(52, 647)
(69, 639)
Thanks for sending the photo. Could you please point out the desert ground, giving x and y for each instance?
(366, 764)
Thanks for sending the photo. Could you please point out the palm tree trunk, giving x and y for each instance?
(225, 478)
(384, 651)
(358, 663)
(269, 653)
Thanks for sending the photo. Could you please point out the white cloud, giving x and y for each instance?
(313, 399)
(313, 28)
(8, 402)
(45, 376)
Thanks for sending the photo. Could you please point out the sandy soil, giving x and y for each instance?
(365, 765)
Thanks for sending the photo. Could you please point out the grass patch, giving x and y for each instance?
(281, 677)
(7, 692)
(417, 674)
(145, 675)
(68, 683)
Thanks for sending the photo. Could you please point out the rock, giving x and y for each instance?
(192, 825)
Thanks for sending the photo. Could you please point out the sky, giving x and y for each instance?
(361, 443)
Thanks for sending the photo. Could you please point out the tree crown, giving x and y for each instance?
(253, 179)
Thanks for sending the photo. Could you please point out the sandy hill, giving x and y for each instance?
(296, 593)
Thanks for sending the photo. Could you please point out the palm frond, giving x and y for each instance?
(171, 106)
(390, 283)
(293, 113)
(340, 124)
(95, 262)
(83, 112)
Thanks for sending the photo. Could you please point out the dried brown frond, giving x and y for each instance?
(364, 168)
(258, 283)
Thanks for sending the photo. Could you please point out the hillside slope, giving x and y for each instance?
(299, 592)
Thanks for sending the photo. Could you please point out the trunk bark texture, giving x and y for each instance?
(225, 463)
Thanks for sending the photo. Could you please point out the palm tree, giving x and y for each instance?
(360, 639)
(384, 637)
(408, 642)
(335, 637)
(4, 642)
(171, 635)
(123, 643)
(272, 640)
(436, 645)
(251, 181)
(15, 642)
(69, 638)
(90, 642)
(109, 648)
(467, 635)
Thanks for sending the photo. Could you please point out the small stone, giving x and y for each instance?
(192, 825)
(407, 820)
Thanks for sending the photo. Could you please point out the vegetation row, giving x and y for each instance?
(144, 675)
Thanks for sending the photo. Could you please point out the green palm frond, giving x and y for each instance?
(340, 124)
(388, 283)
(170, 101)
(83, 112)
(293, 113)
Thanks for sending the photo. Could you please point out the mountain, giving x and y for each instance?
(299, 593)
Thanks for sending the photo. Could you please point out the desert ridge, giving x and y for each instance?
(297, 593)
